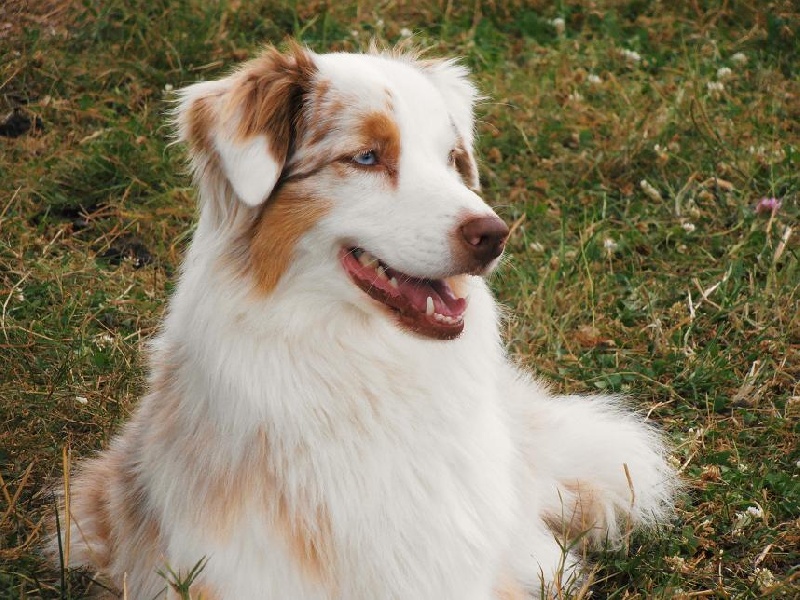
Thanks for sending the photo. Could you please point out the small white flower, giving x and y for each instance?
(167, 87)
(797, 464)
(81, 399)
(630, 55)
(724, 72)
(19, 297)
(610, 245)
(740, 521)
(688, 227)
(715, 87)
(539, 249)
(594, 79)
(763, 578)
(650, 191)
(559, 25)
(354, 33)
(740, 58)
(379, 23)
(755, 511)
(405, 32)
(575, 97)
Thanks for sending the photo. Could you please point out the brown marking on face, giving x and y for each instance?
(581, 513)
(274, 235)
(324, 105)
(378, 131)
(327, 111)
(509, 589)
(322, 88)
(465, 165)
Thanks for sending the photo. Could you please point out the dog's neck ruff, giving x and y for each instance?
(428, 307)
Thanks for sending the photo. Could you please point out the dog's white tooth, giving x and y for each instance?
(393, 282)
(429, 306)
(382, 272)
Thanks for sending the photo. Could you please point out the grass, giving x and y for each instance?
(676, 291)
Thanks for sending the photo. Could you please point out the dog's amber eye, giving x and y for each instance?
(367, 158)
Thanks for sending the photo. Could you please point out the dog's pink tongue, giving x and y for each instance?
(445, 302)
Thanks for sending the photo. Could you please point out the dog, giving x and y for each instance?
(331, 413)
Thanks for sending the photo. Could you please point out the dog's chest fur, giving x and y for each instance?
(353, 461)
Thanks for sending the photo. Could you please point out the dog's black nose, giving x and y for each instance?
(485, 237)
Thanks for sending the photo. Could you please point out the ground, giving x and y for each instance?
(647, 154)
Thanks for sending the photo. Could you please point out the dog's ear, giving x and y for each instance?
(460, 96)
(243, 126)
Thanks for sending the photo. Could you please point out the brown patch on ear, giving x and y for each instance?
(379, 131)
(269, 98)
(200, 121)
(273, 237)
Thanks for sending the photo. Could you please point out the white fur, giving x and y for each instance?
(250, 167)
(434, 461)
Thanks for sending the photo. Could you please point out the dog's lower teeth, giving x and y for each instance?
(444, 319)
(381, 272)
(393, 283)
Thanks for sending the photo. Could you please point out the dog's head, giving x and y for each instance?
(363, 163)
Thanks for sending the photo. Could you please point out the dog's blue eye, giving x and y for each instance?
(368, 158)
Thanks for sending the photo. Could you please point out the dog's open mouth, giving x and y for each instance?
(426, 306)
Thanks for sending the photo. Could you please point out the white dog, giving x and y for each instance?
(331, 412)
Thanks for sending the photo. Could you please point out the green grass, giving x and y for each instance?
(682, 296)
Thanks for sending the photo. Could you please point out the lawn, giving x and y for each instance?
(646, 152)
